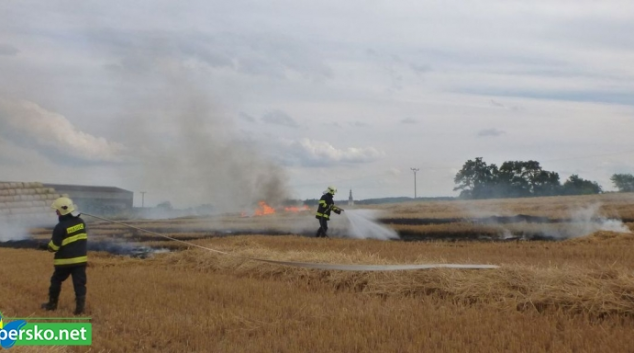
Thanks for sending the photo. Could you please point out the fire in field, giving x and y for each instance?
(564, 281)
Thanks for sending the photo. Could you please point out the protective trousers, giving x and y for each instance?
(61, 274)
(323, 228)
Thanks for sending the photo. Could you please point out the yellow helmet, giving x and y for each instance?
(331, 190)
(63, 205)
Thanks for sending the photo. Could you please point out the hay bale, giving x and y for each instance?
(26, 200)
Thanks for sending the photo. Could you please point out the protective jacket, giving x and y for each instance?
(326, 205)
(69, 241)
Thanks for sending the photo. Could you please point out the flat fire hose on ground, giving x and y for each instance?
(313, 265)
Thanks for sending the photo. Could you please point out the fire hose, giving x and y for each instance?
(312, 265)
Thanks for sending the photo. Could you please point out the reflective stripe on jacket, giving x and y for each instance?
(326, 205)
(69, 241)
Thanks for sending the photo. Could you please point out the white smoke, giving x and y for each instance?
(588, 220)
(582, 221)
(363, 225)
(11, 230)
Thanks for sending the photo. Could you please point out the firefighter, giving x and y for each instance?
(69, 243)
(326, 205)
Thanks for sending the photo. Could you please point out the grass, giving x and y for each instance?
(575, 295)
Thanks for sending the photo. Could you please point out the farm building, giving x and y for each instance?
(103, 200)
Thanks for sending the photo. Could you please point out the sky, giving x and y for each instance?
(209, 102)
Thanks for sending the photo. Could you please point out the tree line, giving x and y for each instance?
(479, 180)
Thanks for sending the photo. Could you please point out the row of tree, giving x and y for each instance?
(479, 180)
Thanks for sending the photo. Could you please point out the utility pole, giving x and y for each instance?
(414, 170)
(143, 198)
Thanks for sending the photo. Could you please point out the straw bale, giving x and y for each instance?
(28, 191)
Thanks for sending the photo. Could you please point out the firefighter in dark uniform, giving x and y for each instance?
(326, 205)
(69, 243)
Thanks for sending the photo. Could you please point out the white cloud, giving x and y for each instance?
(309, 152)
(28, 124)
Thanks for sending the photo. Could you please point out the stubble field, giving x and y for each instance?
(574, 295)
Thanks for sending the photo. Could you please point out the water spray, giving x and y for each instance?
(318, 266)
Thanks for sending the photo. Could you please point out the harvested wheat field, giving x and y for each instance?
(574, 293)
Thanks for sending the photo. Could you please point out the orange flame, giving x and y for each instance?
(264, 209)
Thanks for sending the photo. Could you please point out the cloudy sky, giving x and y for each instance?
(169, 97)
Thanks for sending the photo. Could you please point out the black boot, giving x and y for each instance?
(81, 305)
(52, 302)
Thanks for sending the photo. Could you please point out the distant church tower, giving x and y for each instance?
(350, 199)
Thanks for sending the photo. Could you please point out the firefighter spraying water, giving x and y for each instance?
(326, 205)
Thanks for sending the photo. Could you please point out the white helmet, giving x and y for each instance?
(331, 190)
(63, 205)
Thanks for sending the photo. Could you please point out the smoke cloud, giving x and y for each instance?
(18, 229)
(582, 221)
(192, 155)
(588, 220)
